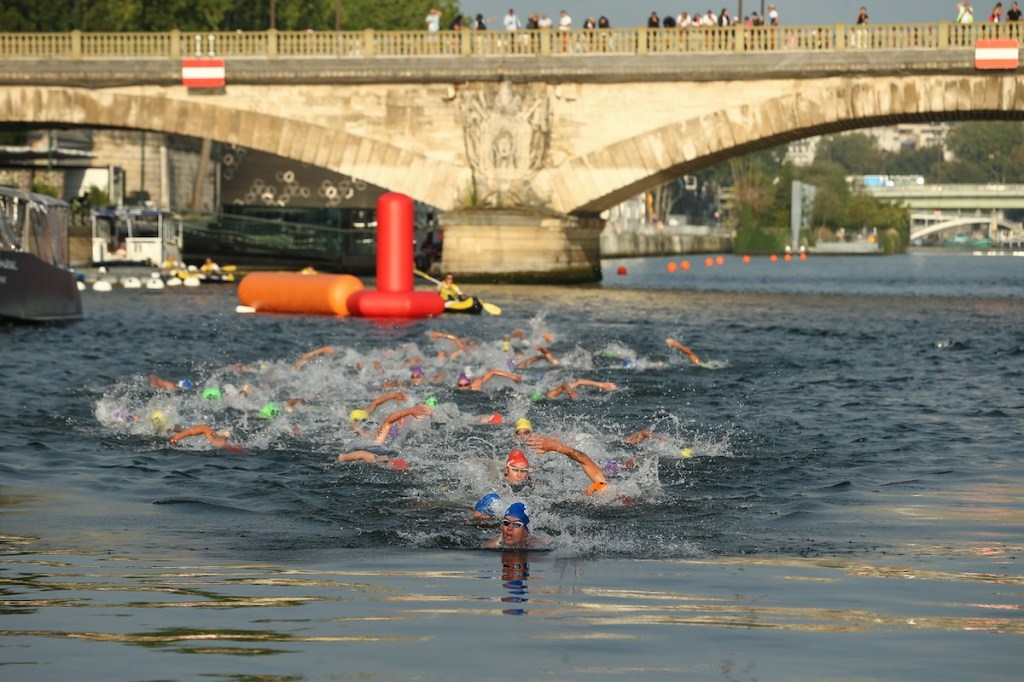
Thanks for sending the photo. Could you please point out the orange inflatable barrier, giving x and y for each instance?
(290, 292)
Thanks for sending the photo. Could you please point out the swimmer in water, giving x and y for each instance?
(218, 438)
(183, 385)
(300, 363)
(543, 444)
(375, 454)
(516, 474)
(542, 354)
(464, 383)
(569, 388)
(515, 531)
(672, 343)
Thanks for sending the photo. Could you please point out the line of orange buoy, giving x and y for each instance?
(713, 261)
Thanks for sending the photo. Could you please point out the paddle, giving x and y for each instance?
(489, 307)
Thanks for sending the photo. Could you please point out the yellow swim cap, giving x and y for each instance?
(158, 420)
(524, 424)
(358, 415)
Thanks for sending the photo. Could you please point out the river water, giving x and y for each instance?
(836, 492)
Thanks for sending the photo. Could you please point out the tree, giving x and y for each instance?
(988, 151)
(857, 153)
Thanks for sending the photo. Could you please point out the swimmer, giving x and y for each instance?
(672, 343)
(523, 428)
(569, 388)
(464, 383)
(515, 531)
(516, 474)
(640, 436)
(218, 438)
(183, 385)
(397, 396)
(460, 344)
(375, 455)
(544, 444)
(542, 354)
(390, 421)
(324, 350)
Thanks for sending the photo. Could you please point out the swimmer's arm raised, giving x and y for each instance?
(542, 444)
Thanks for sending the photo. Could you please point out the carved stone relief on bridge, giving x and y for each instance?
(507, 131)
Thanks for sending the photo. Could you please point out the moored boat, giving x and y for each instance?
(36, 284)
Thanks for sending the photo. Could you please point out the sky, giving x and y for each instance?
(623, 14)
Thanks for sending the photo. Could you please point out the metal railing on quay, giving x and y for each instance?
(373, 44)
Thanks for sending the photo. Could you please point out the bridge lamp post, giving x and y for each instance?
(273, 14)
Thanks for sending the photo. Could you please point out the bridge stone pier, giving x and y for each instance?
(522, 154)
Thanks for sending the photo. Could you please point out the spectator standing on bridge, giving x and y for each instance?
(965, 13)
(433, 20)
(602, 22)
(997, 14)
(862, 16)
(1013, 14)
(511, 21)
(773, 16)
(532, 22)
(544, 21)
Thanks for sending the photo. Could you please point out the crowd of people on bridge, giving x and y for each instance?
(564, 22)
(682, 20)
(965, 13)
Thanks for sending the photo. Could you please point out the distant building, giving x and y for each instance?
(894, 138)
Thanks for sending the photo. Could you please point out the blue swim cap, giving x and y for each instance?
(627, 363)
(518, 510)
(489, 504)
(186, 384)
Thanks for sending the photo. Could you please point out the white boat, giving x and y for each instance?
(36, 284)
(135, 236)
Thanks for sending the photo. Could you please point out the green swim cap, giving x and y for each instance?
(270, 410)
(211, 394)
(610, 353)
(430, 402)
(537, 396)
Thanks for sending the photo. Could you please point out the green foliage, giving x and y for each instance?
(20, 16)
(858, 153)
(989, 151)
(761, 240)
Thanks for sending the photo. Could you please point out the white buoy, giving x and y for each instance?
(131, 283)
(244, 309)
(174, 282)
(80, 284)
(102, 285)
(192, 281)
(156, 283)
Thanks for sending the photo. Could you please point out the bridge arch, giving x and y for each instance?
(604, 177)
(397, 168)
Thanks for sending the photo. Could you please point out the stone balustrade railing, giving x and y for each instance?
(371, 43)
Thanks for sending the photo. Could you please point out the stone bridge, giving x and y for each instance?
(521, 151)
